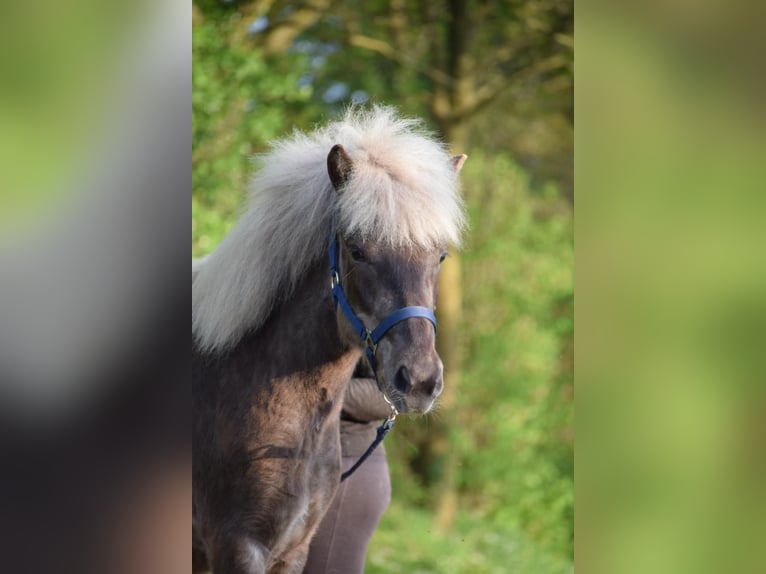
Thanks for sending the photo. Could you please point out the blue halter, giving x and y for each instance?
(370, 339)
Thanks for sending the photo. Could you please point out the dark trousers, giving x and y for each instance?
(340, 543)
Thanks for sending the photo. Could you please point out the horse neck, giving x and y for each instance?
(301, 333)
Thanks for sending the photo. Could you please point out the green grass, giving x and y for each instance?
(407, 541)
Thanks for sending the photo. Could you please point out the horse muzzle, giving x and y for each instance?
(414, 383)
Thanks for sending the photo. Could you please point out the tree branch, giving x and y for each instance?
(281, 35)
(387, 51)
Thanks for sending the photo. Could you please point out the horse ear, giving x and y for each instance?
(339, 166)
(458, 161)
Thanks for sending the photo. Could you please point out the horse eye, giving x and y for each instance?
(442, 258)
(357, 254)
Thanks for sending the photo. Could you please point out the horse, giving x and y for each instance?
(354, 217)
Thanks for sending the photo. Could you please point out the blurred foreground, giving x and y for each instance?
(671, 283)
(94, 183)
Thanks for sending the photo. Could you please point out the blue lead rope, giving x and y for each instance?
(370, 339)
(383, 429)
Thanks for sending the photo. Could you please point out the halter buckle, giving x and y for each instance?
(373, 346)
(334, 279)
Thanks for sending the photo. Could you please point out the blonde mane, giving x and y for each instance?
(402, 191)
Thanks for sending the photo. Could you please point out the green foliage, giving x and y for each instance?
(516, 391)
(240, 102)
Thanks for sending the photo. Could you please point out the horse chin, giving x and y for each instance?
(410, 403)
(418, 406)
(399, 402)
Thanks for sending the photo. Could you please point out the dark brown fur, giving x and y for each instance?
(266, 442)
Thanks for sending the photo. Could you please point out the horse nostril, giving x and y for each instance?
(402, 380)
(429, 386)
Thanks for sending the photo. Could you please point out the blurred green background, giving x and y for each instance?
(485, 484)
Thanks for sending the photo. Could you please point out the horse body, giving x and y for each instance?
(270, 429)
(271, 353)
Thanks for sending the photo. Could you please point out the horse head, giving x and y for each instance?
(391, 291)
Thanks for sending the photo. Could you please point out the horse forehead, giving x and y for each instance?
(399, 259)
(411, 255)
(406, 269)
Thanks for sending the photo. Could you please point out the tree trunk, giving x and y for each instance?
(446, 102)
(440, 435)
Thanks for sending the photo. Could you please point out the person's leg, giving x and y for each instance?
(340, 543)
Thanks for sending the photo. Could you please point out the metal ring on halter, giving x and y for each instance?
(394, 410)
